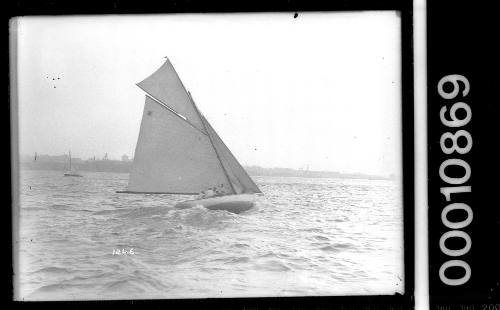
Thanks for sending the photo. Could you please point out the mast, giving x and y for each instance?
(171, 157)
(241, 176)
(212, 142)
(204, 127)
(70, 160)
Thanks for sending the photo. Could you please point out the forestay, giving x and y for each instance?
(238, 177)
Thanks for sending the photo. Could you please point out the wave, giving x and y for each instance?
(322, 238)
(239, 260)
(240, 245)
(60, 207)
(32, 208)
(57, 270)
(344, 245)
(268, 254)
(200, 217)
(312, 229)
(136, 282)
(274, 265)
(139, 281)
(146, 212)
(337, 247)
(99, 275)
(50, 288)
(60, 287)
(106, 212)
(122, 285)
(329, 248)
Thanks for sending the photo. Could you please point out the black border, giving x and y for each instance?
(459, 41)
(405, 8)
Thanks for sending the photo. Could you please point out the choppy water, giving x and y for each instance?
(310, 237)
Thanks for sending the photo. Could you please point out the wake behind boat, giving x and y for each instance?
(178, 151)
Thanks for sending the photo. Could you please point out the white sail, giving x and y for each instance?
(173, 157)
(238, 177)
(165, 86)
(178, 151)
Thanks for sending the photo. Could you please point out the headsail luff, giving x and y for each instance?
(181, 154)
(165, 86)
(205, 126)
(239, 179)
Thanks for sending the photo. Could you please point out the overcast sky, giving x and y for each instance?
(322, 90)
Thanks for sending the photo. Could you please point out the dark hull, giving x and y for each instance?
(69, 174)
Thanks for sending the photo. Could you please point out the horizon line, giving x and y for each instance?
(247, 166)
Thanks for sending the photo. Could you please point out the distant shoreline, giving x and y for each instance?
(60, 163)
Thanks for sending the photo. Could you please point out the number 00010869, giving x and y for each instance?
(452, 144)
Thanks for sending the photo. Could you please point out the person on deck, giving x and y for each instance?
(220, 192)
(210, 192)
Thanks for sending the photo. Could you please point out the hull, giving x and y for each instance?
(230, 203)
(72, 174)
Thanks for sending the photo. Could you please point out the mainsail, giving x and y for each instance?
(178, 151)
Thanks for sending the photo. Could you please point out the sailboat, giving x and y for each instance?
(71, 172)
(179, 152)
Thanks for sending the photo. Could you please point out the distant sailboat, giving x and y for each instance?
(178, 151)
(71, 172)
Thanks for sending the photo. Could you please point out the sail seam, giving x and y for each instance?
(173, 112)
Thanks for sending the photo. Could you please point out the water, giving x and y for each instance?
(309, 237)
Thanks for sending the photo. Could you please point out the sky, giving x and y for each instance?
(321, 91)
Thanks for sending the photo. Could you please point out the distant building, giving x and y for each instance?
(125, 157)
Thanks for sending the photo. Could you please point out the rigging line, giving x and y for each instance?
(211, 142)
(237, 162)
(175, 113)
(190, 97)
(203, 120)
